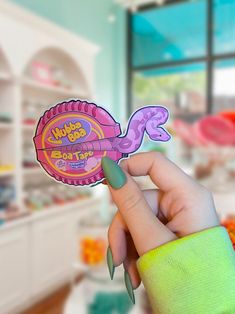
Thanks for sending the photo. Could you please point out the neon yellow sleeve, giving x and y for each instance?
(194, 274)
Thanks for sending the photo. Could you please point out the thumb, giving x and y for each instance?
(145, 228)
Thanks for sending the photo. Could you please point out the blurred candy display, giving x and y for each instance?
(216, 130)
(92, 250)
(8, 208)
(7, 194)
(33, 108)
(40, 197)
(29, 159)
(92, 241)
(229, 115)
(48, 74)
(11, 212)
(29, 113)
(5, 117)
(211, 147)
(6, 167)
(229, 224)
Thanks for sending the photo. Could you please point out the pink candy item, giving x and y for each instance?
(215, 130)
(72, 137)
(185, 131)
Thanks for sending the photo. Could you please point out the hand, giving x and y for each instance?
(147, 219)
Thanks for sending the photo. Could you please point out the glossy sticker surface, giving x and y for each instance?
(72, 137)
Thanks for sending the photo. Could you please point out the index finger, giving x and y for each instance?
(164, 173)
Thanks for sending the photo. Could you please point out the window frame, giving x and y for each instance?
(209, 59)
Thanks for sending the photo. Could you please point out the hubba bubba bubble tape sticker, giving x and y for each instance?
(72, 137)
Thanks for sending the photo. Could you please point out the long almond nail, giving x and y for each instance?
(110, 263)
(113, 173)
(129, 287)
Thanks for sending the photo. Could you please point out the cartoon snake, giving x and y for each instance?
(147, 119)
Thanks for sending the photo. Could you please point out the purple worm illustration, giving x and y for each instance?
(149, 119)
(146, 119)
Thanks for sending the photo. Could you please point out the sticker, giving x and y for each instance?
(72, 137)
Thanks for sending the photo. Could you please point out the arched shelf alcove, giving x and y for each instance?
(54, 70)
(50, 76)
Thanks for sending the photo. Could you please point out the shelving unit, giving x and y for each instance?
(33, 171)
(38, 97)
(28, 127)
(6, 126)
(34, 85)
(4, 174)
(5, 77)
(71, 63)
(7, 131)
(25, 96)
(23, 99)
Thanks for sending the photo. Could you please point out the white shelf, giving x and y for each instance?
(28, 127)
(6, 126)
(30, 83)
(8, 173)
(56, 209)
(5, 77)
(49, 211)
(33, 170)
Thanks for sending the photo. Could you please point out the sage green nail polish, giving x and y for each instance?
(110, 263)
(113, 173)
(129, 287)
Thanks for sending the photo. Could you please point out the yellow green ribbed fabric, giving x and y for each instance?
(191, 275)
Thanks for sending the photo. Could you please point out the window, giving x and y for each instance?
(181, 89)
(161, 35)
(224, 82)
(182, 55)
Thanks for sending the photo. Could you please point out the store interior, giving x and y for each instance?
(121, 55)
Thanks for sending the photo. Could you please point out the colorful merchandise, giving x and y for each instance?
(211, 130)
(93, 250)
(229, 224)
(72, 137)
(108, 303)
(229, 115)
(215, 129)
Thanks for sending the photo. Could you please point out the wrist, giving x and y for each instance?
(191, 226)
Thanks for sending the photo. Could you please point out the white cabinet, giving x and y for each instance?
(37, 254)
(14, 268)
(52, 252)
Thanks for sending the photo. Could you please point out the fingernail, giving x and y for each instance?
(113, 173)
(129, 287)
(110, 263)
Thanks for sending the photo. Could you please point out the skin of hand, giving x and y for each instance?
(145, 220)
